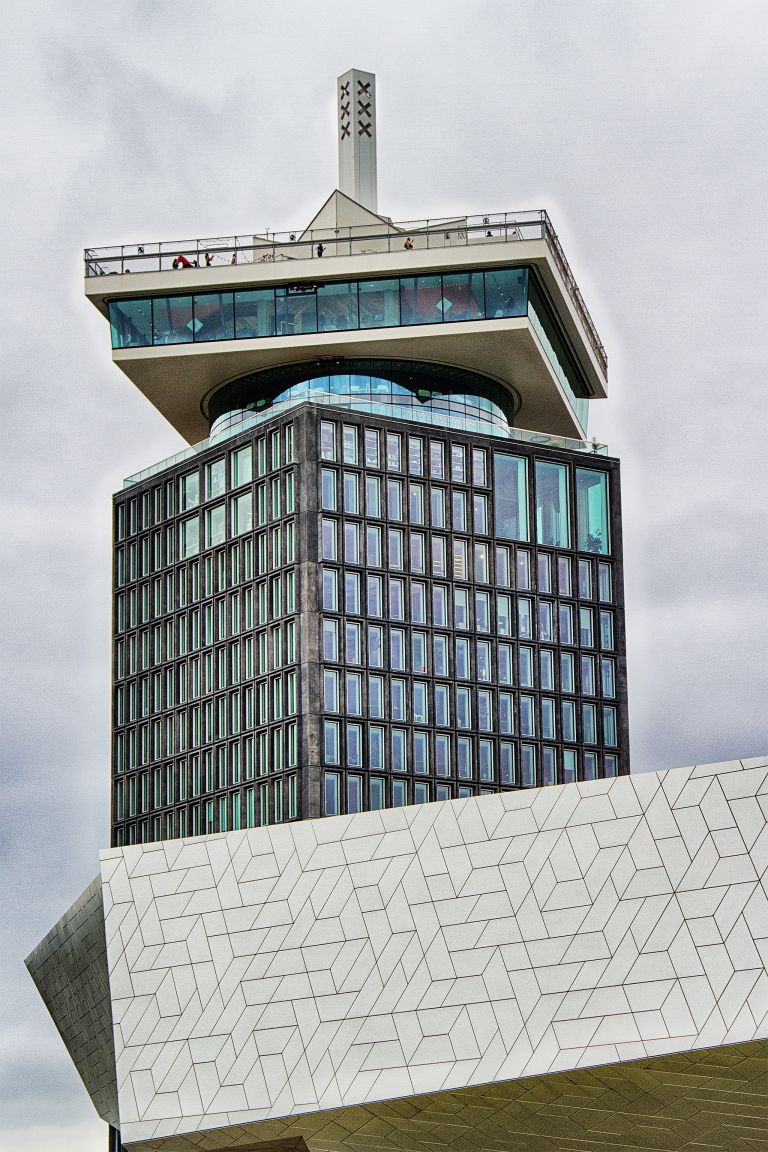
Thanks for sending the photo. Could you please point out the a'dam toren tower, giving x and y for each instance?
(391, 573)
(386, 573)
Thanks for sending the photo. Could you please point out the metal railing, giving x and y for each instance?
(463, 424)
(350, 240)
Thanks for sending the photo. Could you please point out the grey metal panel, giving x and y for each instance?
(69, 968)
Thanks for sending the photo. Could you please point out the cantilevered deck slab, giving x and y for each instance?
(176, 378)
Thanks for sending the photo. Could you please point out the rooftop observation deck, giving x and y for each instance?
(349, 240)
(184, 313)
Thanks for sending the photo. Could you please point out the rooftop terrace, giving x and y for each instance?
(377, 236)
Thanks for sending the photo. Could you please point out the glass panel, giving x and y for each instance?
(242, 513)
(608, 677)
(606, 630)
(189, 537)
(510, 496)
(351, 494)
(421, 300)
(328, 489)
(589, 722)
(131, 322)
(585, 579)
(592, 511)
(523, 569)
(354, 794)
(506, 292)
(215, 525)
(569, 720)
(415, 455)
(528, 765)
(463, 296)
(442, 755)
(332, 790)
(255, 313)
(590, 765)
(215, 479)
(399, 793)
(507, 763)
(377, 793)
(349, 443)
(189, 491)
(172, 320)
(564, 575)
(331, 742)
(376, 748)
(336, 307)
(327, 440)
(552, 504)
(379, 302)
(330, 690)
(525, 660)
(458, 463)
(604, 583)
(420, 753)
(295, 311)
(214, 316)
(241, 466)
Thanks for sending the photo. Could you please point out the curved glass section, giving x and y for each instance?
(404, 388)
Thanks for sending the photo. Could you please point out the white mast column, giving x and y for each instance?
(356, 92)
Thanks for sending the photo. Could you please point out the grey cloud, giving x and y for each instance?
(638, 126)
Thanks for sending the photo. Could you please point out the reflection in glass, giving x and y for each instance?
(421, 300)
(172, 320)
(295, 311)
(592, 511)
(131, 322)
(336, 307)
(379, 302)
(506, 291)
(552, 504)
(254, 313)
(511, 496)
(463, 296)
(214, 316)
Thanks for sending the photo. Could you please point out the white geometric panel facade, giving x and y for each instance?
(325, 964)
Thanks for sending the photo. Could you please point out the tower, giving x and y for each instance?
(361, 624)
(388, 569)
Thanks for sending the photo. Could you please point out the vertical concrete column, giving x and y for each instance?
(356, 105)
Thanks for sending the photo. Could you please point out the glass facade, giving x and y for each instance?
(309, 308)
(478, 660)
(353, 305)
(458, 628)
(206, 719)
(428, 391)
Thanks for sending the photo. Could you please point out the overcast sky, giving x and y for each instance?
(640, 127)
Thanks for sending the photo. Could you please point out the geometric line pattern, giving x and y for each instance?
(263, 976)
(69, 968)
(709, 1100)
